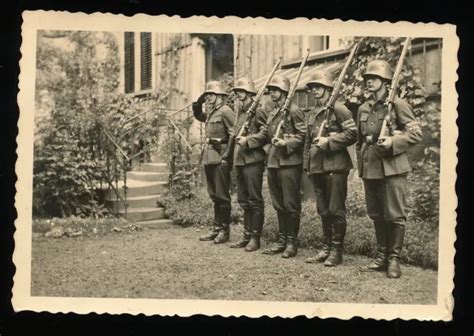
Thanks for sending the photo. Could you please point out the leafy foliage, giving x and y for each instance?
(65, 173)
(77, 104)
(87, 116)
(421, 241)
(75, 72)
(132, 122)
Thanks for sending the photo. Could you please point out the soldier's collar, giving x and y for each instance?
(214, 109)
(218, 106)
(282, 102)
(373, 99)
(320, 103)
(245, 107)
(316, 109)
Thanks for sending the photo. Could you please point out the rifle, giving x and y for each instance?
(252, 109)
(392, 93)
(335, 92)
(286, 106)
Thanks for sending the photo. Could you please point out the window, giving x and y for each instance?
(129, 72)
(318, 43)
(145, 61)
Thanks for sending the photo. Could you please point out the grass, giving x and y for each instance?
(171, 263)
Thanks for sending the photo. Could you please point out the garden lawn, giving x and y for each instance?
(170, 263)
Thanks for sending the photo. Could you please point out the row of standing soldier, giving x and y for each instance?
(382, 163)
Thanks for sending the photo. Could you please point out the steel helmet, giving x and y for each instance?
(379, 68)
(321, 77)
(215, 87)
(281, 82)
(246, 85)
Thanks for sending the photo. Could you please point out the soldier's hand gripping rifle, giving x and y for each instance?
(392, 92)
(329, 107)
(286, 106)
(253, 108)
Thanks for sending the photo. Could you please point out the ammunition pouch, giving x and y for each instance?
(216, 143)
(213, 141)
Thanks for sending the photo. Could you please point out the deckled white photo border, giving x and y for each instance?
(51, 20)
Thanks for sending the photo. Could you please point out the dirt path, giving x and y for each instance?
(171, 263)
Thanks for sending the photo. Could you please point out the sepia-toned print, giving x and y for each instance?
(255, 167)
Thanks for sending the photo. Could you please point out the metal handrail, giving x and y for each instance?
(117, 146)
(179, 110)
(123, 165)
(181, 135)
(124, 162)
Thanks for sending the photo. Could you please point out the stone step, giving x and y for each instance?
(139, 188)
(155, 223)
(148, 201)
(155, 167)
(143, 214)
(147, 176)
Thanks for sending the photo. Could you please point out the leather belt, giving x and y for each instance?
(370, 139)
(216, 141)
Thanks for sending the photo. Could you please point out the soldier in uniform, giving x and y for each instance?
(247, 154)
(219, 122)
(285, 166)
(327, 164)
(383, 165)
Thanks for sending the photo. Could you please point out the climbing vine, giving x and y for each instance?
(183, 177)
(389, 49)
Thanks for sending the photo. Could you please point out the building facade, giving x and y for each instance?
(181, 64)
(151, 61)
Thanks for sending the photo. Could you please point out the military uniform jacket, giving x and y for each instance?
(252, 151)
(341, 132)
(219, 124)
(375, 162)
(293, 132)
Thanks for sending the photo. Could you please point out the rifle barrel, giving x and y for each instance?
(295, 83)
(253, 106)
(393, 89)
(340, 79)
(289, 98)
(398, 70)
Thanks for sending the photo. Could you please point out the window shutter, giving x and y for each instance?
(129, 45)
(145, 61)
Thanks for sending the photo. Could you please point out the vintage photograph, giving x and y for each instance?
(203, 165)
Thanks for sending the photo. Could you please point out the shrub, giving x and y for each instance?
(196, 210)
(65, 173)
(421, 240)
(420, 246)
(74, 81)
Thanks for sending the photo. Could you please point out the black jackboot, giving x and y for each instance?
(396, 236)
(257, 225)
(335, 256)
(379, 264)
(224, 233)
(247, 231)
(280, 245)
(216, 226)
(293, 228)
(323, 253)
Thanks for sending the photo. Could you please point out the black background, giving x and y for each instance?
(93, 324)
